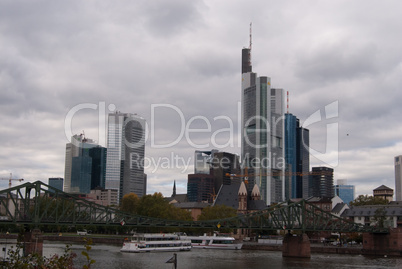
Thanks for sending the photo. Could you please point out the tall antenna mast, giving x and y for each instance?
(287, 101)
(250, 42)
(250, 35)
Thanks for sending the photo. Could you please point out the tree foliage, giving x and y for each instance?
(155, 206)
(130, 203)
(380, 217)
(217, 212)
(34, 261)
(368, 200)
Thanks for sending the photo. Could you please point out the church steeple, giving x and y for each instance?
(174, 189)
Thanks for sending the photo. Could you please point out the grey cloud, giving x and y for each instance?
(334, 62)
(167, 19)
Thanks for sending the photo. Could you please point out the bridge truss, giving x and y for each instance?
(39, 204)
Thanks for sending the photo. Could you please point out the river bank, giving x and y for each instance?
(315, 248)
(117, 240)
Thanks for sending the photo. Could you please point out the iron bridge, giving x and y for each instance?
(39, 204)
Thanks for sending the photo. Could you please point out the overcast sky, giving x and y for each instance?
(176, 58)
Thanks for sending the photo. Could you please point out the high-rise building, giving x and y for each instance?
(303, 162)
(212, 169)
(262, 133)
(98, 169)
(398, 178)
(225, 164)
(81, 169)
(344, 191)
(200, 188)
(85, 165)
(290, 156)
(202, 161)
(125, 154)
(297, 158)
(72, 150)
(56, 182)
(322, 182)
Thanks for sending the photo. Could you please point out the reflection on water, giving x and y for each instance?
(110, 257)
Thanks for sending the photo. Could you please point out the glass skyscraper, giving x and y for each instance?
(322, 182)
(290, 156)
(84, 166)
(297, 158)
(344, 191)
(125, 154)
(304, 185)
(203, 161)
(56, 182)
(262, 133)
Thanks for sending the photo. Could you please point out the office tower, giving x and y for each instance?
(98, 169)
(297, 157)
(322, 182)
(202, 161)
(200, 188)
(72, 150)
(225, 164)
(262, 133)
(344, 191)
(303, 162)
(81, 169)
(85, 165)
(125, 154)
(56, 182)
(290, 156)
(398, 178)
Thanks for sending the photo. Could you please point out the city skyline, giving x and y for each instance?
(130, 57)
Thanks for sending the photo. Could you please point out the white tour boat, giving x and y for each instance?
(215, 242)
(156, 242)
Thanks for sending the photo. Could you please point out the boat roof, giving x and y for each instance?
(156, 235)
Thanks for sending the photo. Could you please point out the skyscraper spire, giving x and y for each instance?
(246, 58)
(251, 42)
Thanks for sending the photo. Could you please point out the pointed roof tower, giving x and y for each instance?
(242, 189)
(255, 193)
(174, 189)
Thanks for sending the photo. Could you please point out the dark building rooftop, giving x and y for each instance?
(383, 187)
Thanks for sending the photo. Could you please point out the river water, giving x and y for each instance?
(108, 257)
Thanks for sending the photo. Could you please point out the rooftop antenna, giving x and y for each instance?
(287, 101)
(250, 41)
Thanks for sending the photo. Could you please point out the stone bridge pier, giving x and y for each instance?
(297, 246)
(33, 242)
(383, 244)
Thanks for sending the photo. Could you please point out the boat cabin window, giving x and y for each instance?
(223, 241)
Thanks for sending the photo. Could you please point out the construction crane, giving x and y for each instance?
(10, 179)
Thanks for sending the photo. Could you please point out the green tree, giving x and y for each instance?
(156, 206)
(368, 200)
(153, 206)
(218, 212)
(130, 203)
(380, 217)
